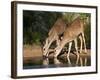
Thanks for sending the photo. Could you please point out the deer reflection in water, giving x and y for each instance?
(55, 63)
(64, 62)
(46, 62)
(83, 61)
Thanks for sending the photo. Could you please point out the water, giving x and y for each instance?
(40, 62)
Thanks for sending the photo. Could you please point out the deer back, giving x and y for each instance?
(74, 29)
(58, 27)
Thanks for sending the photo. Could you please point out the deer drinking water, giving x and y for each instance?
(53, 35)
(72, 32)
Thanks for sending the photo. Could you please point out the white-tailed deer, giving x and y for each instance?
(53, 35)
(72, 32)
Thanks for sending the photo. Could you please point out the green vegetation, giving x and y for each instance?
(37, 24)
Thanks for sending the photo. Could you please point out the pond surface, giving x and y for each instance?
(40, 62)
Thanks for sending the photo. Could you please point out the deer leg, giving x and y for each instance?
(76, 47)
(81, 43)
(69, 49)
(59, 48)
(84, 42)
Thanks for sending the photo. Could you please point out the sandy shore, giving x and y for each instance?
(32, 51)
